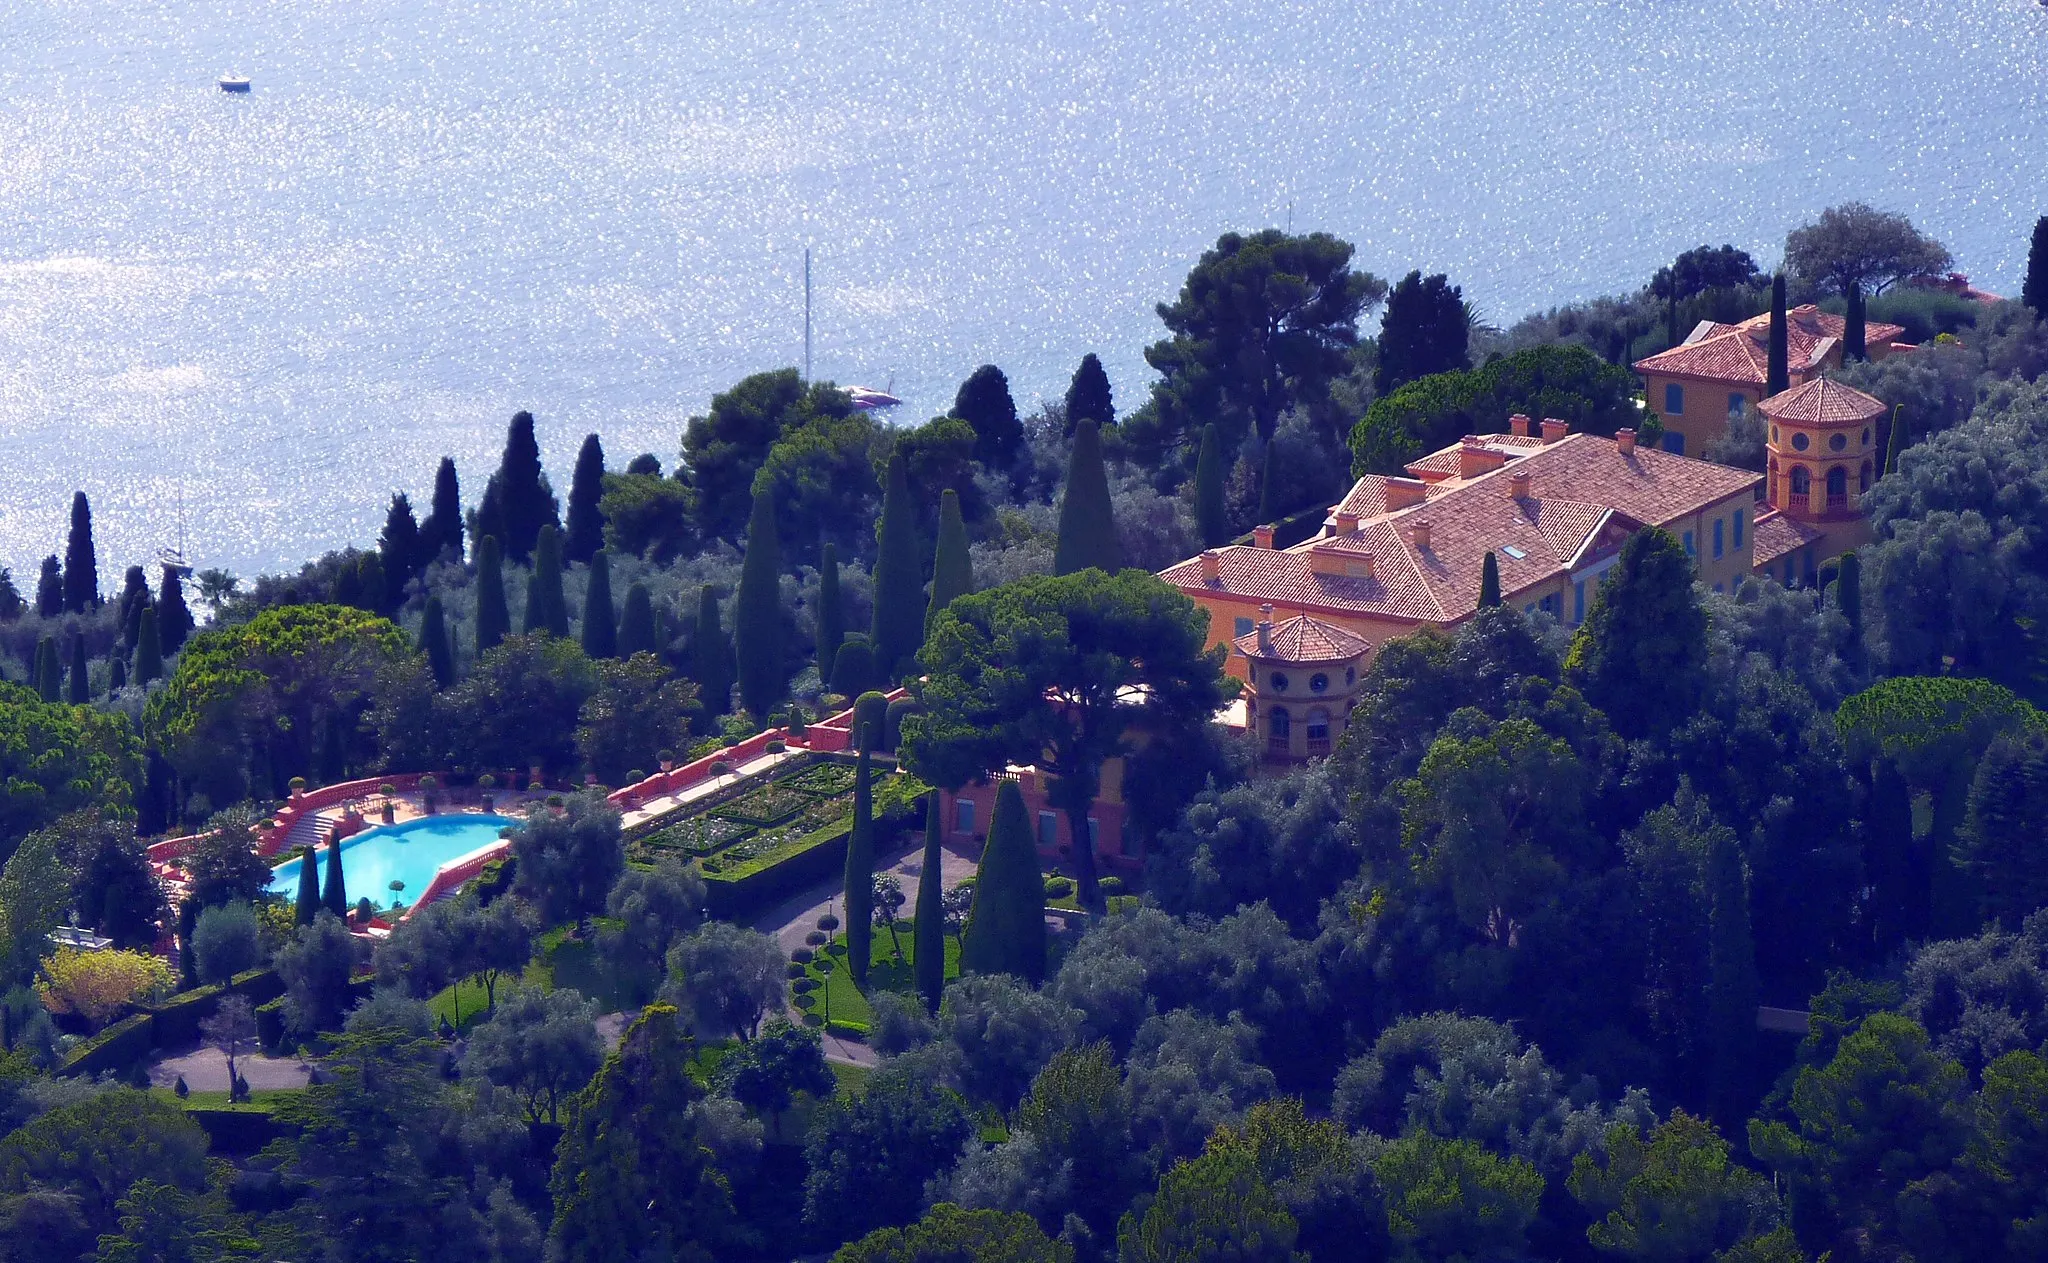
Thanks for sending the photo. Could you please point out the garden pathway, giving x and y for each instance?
(206, 1070)
(667, 803)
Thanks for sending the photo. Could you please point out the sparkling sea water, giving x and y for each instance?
(277, 308)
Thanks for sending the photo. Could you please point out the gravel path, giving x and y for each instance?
(206, 1070)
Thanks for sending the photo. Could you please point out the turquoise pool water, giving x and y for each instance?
(411, 853)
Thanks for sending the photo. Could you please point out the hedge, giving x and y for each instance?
(857, 1031)
(124, 1044)
(741, 892)
(270, 1025)
(178, 1018)
(241, 1131)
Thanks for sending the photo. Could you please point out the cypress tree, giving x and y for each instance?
(334, 895)
(1006, 925)
(81, 560)
(952, 568)
(1269, 509)
(585, 525)
(831, 614)
(713, 652)
(2034, 290)
(1732, 986)
(117, 674)
(853, 669)
(1854, 324)
(1896, 862)
(636, 623)
(757, 613)
(1896, 442)
(441, 533)
(928, 928)
(434, 643)
(173, 619)
(860, 866)
(1088, 395)
(547, 609)
(518, 501)
(1212, 520)
(308, 906)
(493, 622)
(1780, 370)
(134, 596)
(600, 617)
(149, 654)
(12, 607)
(1489, 582)
(400, 551)
(1849, 599)
(984, 403)
(49, 678)
(898, 628)
(50, 588)
(1087, 533)
(81, 682)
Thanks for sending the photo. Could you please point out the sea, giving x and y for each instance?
(243, 321)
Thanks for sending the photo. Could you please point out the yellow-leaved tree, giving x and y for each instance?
(95, 985)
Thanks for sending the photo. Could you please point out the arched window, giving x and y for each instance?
(1279, 731)
(1838, 487)
(1802, 482)
(1863, 479)
(1319, 731)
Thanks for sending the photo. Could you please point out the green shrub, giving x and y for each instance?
(776, 747)
(794, 969)
(1111, 886)
(270, 1026)
(848, 1030)
(1057, 887)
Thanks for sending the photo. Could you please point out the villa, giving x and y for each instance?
(1721, 369)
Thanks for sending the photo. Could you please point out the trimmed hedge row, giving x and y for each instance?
(124, 1044)
(752, 888)
(172, 1024)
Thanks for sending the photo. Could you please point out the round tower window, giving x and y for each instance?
(1836, 442)
(1278, 681)
(1318, 682)
(1799, 442)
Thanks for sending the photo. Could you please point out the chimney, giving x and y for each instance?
(1518, 485)
(1421, 535)
(1475, 457)
(1262, 537)
(1405, 492)
(1518, 424)
(1265, 629)
(1554, 429)
(1212, 566)
(1346, 523)
(1626, 441)
(1361, 565)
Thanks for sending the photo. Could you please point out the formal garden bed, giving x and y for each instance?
(762, 823)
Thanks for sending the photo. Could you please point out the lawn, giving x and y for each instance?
(837, 996)
(261, 1101)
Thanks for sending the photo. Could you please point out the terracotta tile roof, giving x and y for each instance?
(1822, 402)
(1740, 353)
(1441, 464)
(1577, 486)
(1773, 535)
(1305, 639)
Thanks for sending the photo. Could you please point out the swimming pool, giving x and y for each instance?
(411, 853)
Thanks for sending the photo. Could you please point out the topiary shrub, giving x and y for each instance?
(816, 938)
(796, 721)
(794, 970)
(1110, 886)
(802, 955)
(1058, 887)
(298, 784)
(635, 776)
(828, 923)
(776, 747)
(892, 721)
(871, 715)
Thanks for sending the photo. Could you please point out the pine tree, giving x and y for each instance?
(1087, 531)
(1006, 925)
(860, 863)
(712, 649)
(898, 629)
(1269, 507)
(441, 533)
(2034, 290)
(49, 677)
(928, 928)
(134, 597)
(1732, 986)
(600, 617)
(984, 403)
(1489, 582)
(585, 525)
(547, 609)
(173, 619)
(400, 551)
(434, 643)
(308, 907)
(493, 621)
(831, 614)
(1849, 599)
(757, 613)
(952, 568)
(1896, 443)
(81, 681)
(1212, 520)
(1088, 395)
(1779, 373)
(636, 623)
(334, 895)
(149, 654)
(81, 560)
(518, 501)
(50, 588)
(1641, 654)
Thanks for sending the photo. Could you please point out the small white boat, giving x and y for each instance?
(234, 83)
(866, 397)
